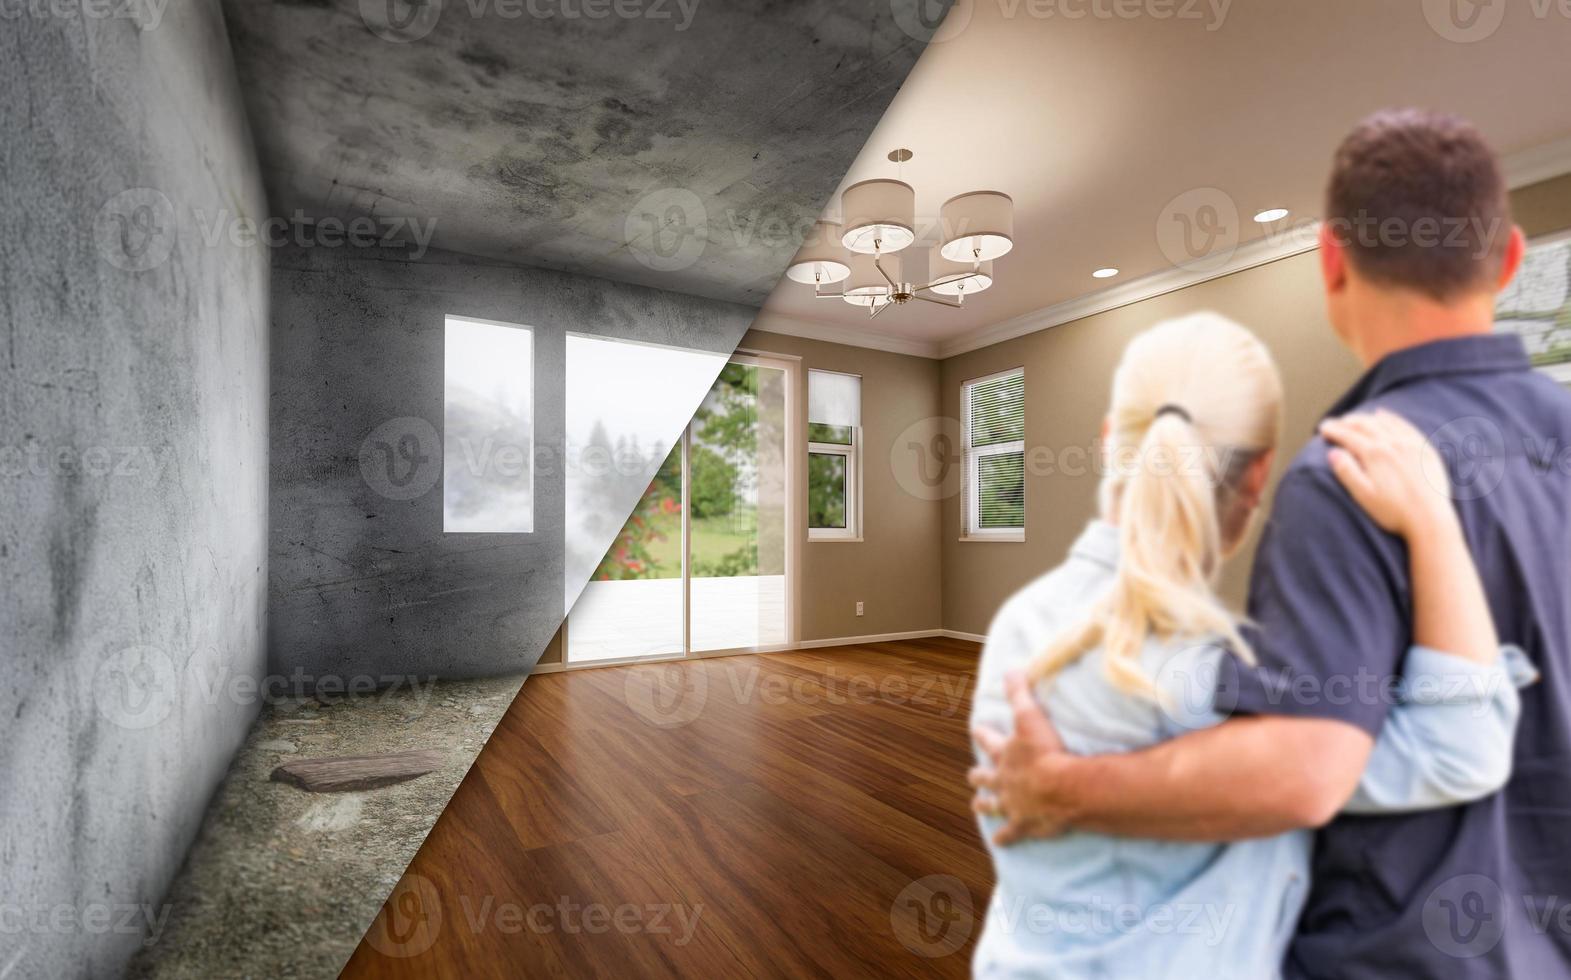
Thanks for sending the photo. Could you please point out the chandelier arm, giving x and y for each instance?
(880, 267)
(820, 295)
(949, 280)
(875, 310)
(929, 299)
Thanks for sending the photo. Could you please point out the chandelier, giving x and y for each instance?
(865, 252)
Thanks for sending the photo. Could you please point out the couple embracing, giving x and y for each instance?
(1370, 777)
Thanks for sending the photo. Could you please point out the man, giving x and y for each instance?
(1417, 243)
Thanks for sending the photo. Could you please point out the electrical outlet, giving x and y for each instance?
(859, 608)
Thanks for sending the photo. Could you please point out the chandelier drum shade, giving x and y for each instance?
(821, 259)
(959, 278)
(865, 252)
(977, 227)
(879, 216)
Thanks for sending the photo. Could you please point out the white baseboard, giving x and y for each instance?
(843, 641)
(957, 635)
(835, 641)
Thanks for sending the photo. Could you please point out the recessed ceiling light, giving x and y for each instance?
(1104, 273)
(1270, 215)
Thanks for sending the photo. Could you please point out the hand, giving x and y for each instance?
(1019, 785)
(1392, 471)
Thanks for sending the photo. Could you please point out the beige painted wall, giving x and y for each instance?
(1544, 208)
(895, 568)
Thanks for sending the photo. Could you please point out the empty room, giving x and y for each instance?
(661, 488)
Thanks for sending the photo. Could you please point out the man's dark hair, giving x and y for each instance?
(1418, 200)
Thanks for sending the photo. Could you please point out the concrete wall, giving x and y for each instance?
(894, 570)
(133, 461)
(364, 583)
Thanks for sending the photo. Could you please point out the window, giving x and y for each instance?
(992, 422)
(488, 427)
(1537, 305)
(834, 456)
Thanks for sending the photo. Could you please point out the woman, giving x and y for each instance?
(1124, 641)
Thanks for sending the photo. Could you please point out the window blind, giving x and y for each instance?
(834, 399)
(997, 411)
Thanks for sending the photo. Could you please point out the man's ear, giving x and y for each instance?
(1333, 260)
(1516, 248)
(1107, 427)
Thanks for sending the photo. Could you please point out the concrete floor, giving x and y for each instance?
(283, 883)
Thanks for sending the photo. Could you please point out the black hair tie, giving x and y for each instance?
(1171, 409)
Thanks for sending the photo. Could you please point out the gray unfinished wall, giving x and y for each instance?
(365, 586)
(133, 462)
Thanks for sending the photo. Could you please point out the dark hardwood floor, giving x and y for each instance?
(790, 814)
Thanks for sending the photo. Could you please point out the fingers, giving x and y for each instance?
(1357, 434)
(982, 777)
(986, 804)
(990, 741)
(1011, 831)
(1031, 720)
(1350, 472)
(1029, 716)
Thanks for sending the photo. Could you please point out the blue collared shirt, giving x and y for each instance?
(1475, 891)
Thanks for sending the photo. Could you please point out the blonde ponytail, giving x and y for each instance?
(1195, 400)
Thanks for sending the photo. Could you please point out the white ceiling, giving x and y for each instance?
(1096, 124)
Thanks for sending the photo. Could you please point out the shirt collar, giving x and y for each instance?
(1462, 355)
(1098, 543)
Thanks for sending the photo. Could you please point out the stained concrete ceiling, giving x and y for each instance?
(671, 143)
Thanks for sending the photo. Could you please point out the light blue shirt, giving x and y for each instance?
(1089, 905)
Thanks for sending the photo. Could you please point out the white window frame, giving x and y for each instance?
(972, 457)
(853, 457)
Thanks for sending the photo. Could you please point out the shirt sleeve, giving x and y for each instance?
(1451, 737)
(1329, 609)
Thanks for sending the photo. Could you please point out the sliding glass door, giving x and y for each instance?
(701, 565)
(737, 515)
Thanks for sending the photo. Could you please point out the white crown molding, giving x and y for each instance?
(839, 333)
(1294, 240)
(1538, 164)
